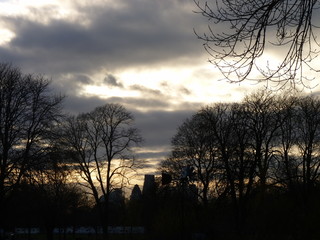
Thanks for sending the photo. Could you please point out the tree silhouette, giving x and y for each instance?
(28, 110)
(102, 142)
(193, 146)
(264, 155)
(242, 32)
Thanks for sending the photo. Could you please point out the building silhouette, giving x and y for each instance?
(136, 193)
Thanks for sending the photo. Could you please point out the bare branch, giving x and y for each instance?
(252, 29)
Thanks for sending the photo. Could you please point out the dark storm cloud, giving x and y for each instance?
(164, 122)
(141, 32)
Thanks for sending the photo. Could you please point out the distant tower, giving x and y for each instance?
(148, 185)
(136, 194)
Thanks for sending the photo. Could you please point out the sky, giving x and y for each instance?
(142, 54)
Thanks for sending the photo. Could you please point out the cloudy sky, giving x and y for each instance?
(142, 54)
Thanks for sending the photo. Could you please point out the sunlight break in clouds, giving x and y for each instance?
(6, 36)
(178, 85)
(39, 11)
(34, 9)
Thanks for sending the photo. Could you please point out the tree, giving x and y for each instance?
(244, 32)
(216, 142)
(237, 165)
(308, 116)
(27, 111)
(286, 164)
(56, 197)
(102, 142)
(264, 119)
(194, 146)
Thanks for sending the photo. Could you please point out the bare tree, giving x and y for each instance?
(27, 111)
(194, 146)
(216, 142)
(309, 141)
(263, 119)
(102, 141)
(285, 166)
(242, 32)
(237, 165)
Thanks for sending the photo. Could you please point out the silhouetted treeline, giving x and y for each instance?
(51, 163)
(256, 165)
(247, 170)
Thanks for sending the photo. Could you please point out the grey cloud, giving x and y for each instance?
(142, 33)
(146, 90)
(149, 164)
(185, 90)
(142, 103)
(154, 155)
(77, 104)
(70, 84)
(157, 127)
(112, 81)
(83, 79)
